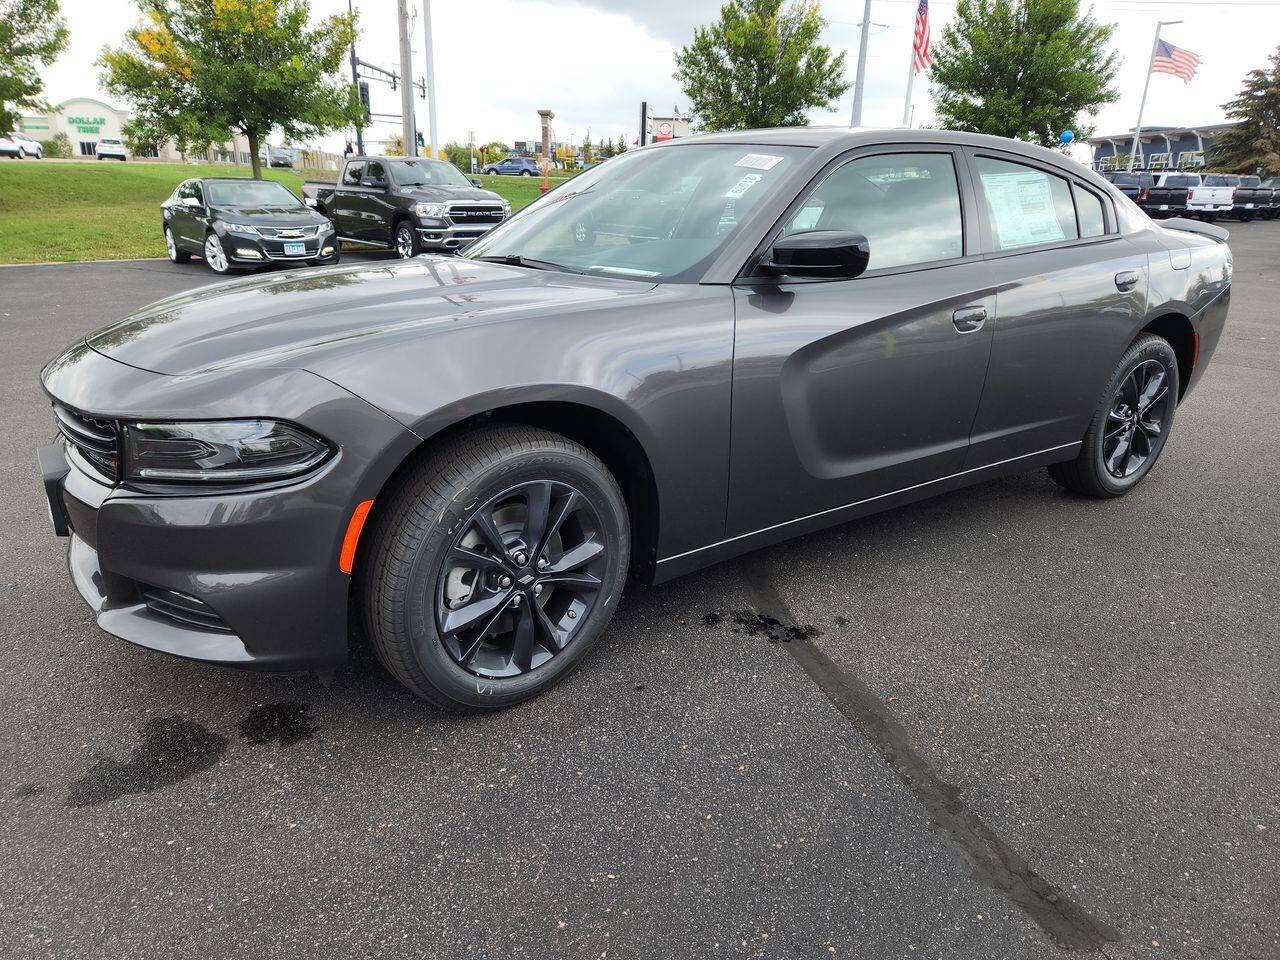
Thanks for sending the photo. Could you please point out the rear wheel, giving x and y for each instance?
(493, 567)
(526, 173)
(176, 255)
(1130, 426)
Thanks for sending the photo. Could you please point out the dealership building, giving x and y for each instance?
(1159, 148)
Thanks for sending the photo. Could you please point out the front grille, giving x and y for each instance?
(289, 233)
(183, 608)
(95, 439)
(467, 213)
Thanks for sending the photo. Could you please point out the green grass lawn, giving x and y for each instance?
(99, 210)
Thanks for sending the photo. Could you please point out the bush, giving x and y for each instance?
(59, 146)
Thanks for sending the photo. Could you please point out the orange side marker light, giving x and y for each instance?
(347, 559)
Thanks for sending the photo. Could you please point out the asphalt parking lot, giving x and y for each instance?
(1007, 722)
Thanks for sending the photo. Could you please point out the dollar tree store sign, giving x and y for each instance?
(87, 124)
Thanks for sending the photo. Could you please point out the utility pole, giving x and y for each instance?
(410, 132)
(861, 76)
(355, 79)
(1137, 130)
(431, 75)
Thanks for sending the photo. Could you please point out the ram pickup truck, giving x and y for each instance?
(1168, 196)
(409, 205)
(1132, 184)
(1252, 199)
(1273, 210)
(1214, 197)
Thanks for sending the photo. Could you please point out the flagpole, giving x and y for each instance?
(1137, 130)
(911, 76)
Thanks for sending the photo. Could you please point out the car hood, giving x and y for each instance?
(451, 194)
(290, 320)
(298, 216)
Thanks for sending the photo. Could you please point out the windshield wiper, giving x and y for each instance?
(515, 260)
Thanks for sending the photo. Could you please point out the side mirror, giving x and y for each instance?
(475, 182)
(834, 254)
(191, 202)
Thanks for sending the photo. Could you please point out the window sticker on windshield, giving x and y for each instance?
(759, 161)
(1022, 205)
(743, 185)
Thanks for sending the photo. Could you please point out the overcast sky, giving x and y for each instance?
(593, 61)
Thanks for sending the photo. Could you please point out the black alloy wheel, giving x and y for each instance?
(522, 575)
(1135, 422)
(1130, 426)
(492, 565)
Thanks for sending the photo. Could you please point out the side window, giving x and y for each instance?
(907, 205)
(375, 173)
(1026, 206)
(197, 190)
(1089, 209)
(351, 176)
(184, 190)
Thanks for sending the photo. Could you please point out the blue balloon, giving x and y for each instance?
(1066, 136)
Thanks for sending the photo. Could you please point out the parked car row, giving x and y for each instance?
(1203, 195)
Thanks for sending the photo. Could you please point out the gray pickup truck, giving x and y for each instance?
(410, 205)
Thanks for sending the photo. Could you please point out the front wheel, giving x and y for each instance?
(215, 256)
(493, 566)
(1130, 426)
(407, 242)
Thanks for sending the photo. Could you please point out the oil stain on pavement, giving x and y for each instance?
(172, 749)
(285, 723)
(992, 862)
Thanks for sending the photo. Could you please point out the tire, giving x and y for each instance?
(217, 262)
(406, 241)
(407, 576)
(176, 253)
(1093, 472)
(22, 153)
(526, 173)
(1246, 217)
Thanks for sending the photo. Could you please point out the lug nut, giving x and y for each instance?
(521, 559)
(537, 589)
(505, 581)
(542, 563)
(515, 601)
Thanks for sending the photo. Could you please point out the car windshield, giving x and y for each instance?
(1250, 181)
(427, 173)
(249, 193)
(657, 214)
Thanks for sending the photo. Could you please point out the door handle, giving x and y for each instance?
(1127, 279)
(969, 319)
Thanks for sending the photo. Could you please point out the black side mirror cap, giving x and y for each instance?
(830, 254)
(475, 182)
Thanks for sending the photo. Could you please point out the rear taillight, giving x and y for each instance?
(1144, 193)
(1189, 192)
(1233, 195)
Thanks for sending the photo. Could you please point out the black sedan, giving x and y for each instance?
(243, 224)
(697, 349)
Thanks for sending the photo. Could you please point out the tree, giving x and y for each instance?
(621, 146)
(198, 71)
(459, 154)
(1253, 144)
(1026, 69)
(32, 34)
(760, 66)
(587, 147)
(59, 146)
(607, 149)
(394, 146)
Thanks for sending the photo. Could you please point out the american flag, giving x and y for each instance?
(920, 45)
(1170, 59)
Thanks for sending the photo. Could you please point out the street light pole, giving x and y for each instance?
(431, 75)
(860, 77)
(406, 83)
(355, 79)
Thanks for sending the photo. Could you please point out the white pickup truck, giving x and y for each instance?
(1214, 197)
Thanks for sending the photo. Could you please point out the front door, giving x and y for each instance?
(1071, 291)
(844, 390)
(376, 210)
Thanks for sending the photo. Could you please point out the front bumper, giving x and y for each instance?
(450, 236)
(246, 249)
(246, 577)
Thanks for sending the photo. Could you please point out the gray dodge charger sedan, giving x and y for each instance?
(694, 350)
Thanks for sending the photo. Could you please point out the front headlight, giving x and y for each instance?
(244, 451)
(433, 210)
(241, 228)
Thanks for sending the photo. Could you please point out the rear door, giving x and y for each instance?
(844, 390)
(346, 198)
(1069, 290)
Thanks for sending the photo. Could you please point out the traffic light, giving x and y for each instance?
(364, 96)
